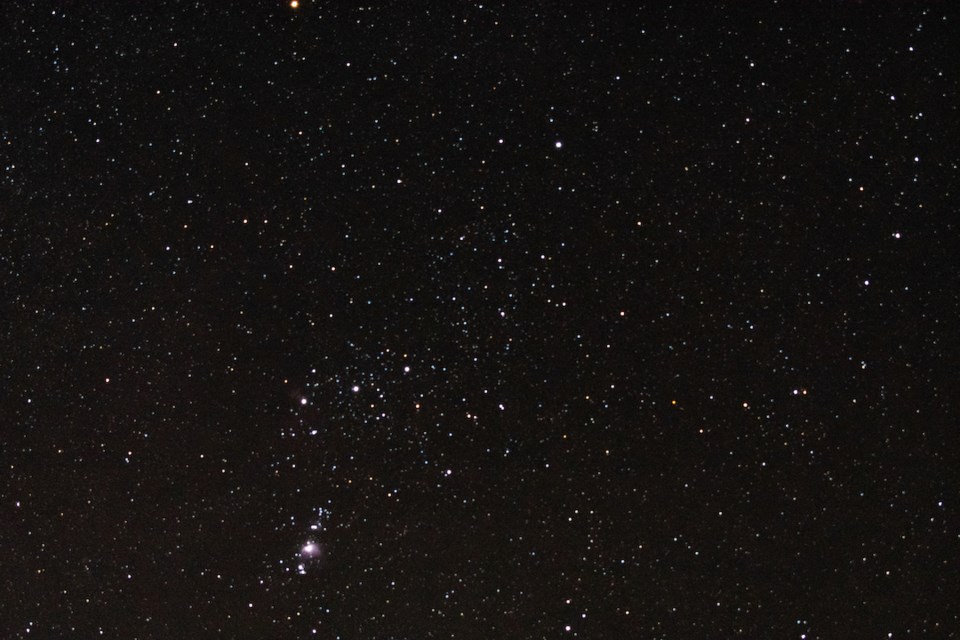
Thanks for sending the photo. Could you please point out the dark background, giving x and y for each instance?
(686, 375)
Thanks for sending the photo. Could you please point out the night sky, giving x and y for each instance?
(459, 320)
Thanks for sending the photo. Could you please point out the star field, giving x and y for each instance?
(478, 320)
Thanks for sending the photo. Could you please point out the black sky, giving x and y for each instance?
(534, 322)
